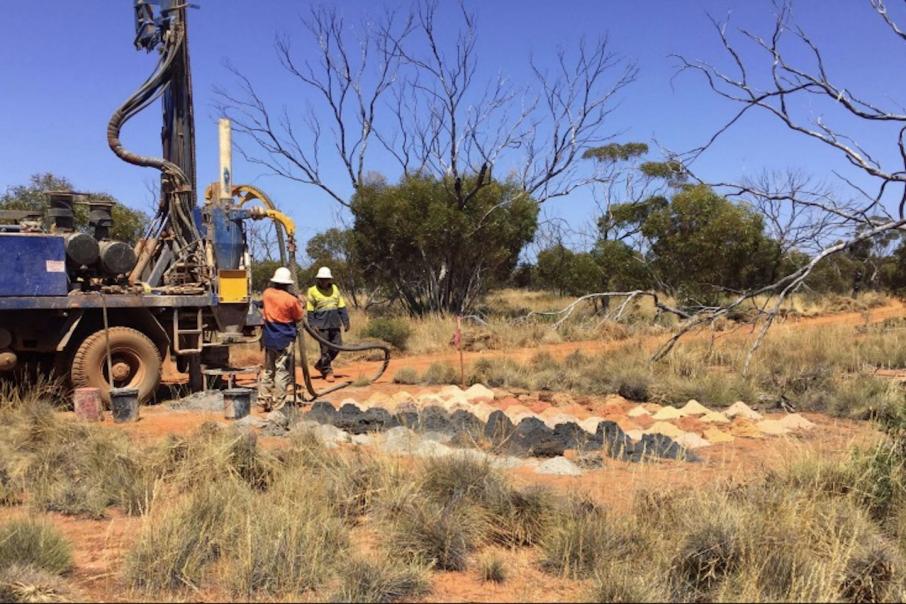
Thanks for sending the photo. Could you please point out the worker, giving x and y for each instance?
(282, 310)
(326, 310)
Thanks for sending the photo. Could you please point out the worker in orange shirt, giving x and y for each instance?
(282, 310)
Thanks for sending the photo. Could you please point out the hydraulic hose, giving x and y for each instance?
(288, 250)
(185, 231)
(303, 354)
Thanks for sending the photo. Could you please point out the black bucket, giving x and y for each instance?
(124, 404)
(237, 402)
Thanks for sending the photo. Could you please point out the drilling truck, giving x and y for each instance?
(104, 313)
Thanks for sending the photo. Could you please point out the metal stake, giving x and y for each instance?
(107, 340)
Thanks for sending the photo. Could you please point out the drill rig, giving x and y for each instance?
(105, 313)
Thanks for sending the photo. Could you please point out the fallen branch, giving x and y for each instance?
(567, 311)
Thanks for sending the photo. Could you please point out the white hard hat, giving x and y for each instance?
(323, 273)
(282, 275)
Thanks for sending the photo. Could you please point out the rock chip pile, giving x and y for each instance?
(470, 417)
(521, 431)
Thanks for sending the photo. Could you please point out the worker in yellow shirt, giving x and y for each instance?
(326, 311)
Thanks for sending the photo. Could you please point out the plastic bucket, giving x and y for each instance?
(124, 404)
(88, 404)
(237, 402)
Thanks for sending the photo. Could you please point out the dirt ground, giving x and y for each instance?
(100, 544)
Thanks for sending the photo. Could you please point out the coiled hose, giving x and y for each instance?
(303, 355)
(288, 250)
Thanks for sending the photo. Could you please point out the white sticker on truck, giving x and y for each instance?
(56, 266)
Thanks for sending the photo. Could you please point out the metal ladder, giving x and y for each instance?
(193, 333)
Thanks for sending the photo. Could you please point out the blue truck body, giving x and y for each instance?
(32, 265)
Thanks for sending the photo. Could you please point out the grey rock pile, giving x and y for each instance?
(457, 420)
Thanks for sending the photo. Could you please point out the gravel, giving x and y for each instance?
(209, 400)
(558, 466)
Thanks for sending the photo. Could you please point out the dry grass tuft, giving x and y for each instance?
(626, 582)
(513, 517)
(175, 548)
(21, 584)
(581, 537)
(437, 534)
(35, 544)
(708, 554)
(284, 545)
(406, 375)
(492, 569)
(381, 581)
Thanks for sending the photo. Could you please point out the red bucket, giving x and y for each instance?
(88, 404)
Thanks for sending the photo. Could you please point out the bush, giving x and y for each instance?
(393, 331)
(35, 544)
(74, 469)
(458, 478)
(633, 385)
(512, 517)
(519, 518)
(871, 572)
(385, 580)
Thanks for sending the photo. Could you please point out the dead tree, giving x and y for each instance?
(804, 215)
(800, 214)
(411, 87)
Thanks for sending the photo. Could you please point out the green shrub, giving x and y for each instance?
(36, 544)
(385, 580)
(393, 331)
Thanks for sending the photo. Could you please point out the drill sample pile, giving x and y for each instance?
(511, 427)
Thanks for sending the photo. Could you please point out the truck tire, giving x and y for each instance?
(136, 362)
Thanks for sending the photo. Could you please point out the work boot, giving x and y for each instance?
(329, 378)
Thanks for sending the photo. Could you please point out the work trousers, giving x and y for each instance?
(277, 377)
(328, 354)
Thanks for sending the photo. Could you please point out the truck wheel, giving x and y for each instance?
(134, 357)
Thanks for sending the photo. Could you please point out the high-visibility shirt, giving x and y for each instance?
(281, 311)
(326, 310)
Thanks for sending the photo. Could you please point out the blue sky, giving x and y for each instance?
(67, 65)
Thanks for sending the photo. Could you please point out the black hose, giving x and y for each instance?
(139, 100)
(300, 342)
(341, 348)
